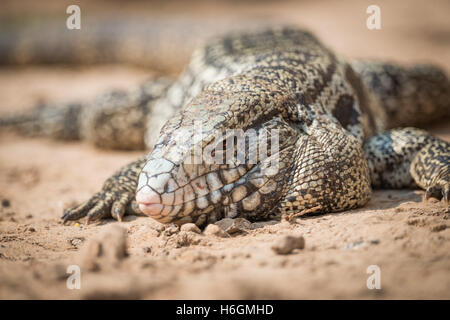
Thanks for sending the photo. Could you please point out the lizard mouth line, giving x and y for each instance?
(152, 203)
(152, 209)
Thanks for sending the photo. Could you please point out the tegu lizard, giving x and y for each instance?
(343, 128)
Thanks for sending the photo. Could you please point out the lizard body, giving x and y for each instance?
(338, 124)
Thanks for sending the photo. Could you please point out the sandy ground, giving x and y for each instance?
(406, 238)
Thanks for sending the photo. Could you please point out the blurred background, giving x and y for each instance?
(122, 42)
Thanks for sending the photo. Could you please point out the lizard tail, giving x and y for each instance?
(62, 122)
(414, 95)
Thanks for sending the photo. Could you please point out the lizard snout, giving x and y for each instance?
(149, 201)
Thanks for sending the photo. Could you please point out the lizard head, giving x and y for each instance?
(220, 156)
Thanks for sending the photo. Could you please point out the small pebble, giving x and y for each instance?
(6, 203)
(76, 242)
(234, 225)
(287, 244)
(190, 227)
(160, 227)
(147, 249)
(214, 230)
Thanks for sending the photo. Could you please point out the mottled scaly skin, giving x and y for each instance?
(331, 116)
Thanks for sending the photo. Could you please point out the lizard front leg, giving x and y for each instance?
(115, 199)
(409, 157)
(430, 169)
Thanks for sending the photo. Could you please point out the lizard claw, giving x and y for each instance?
(119, 207)
(115, 200)
(431, 192)
(93, 209)
(446, 193)
(438, 192)
(430, 169)
(79, 211)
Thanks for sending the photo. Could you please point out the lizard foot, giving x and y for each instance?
(431, 170)
(438, 191)
(102, 205)
(115, 200)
